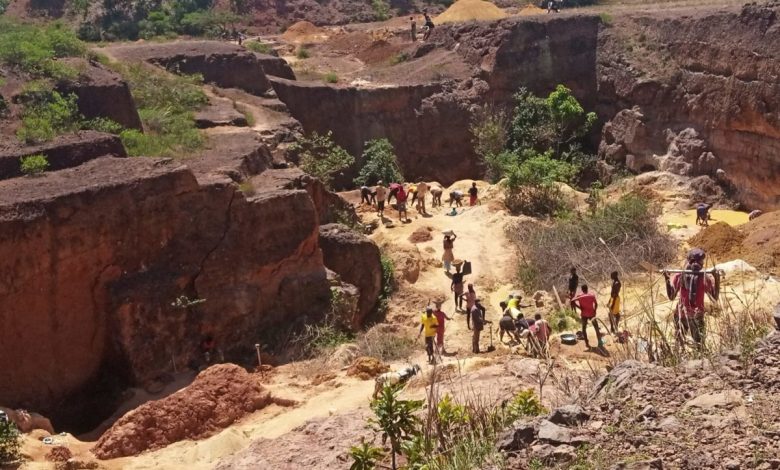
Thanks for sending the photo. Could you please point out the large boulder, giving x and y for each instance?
(218, 397)
(357, 260)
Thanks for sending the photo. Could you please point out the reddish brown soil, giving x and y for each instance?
(757, 242)
(719, 240)
(421, 235)
(367, 368)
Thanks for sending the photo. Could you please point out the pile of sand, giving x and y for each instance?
(367, 368)
(421, 235)
(530, 10)
(467, 10)
(304, 32)
(719, 241)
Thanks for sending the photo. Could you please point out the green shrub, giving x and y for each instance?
(10, 443)
(388, 283)
(103, 125)
(365, 456)
(330, 77)
(34, 165)
(260, 47)
(380, 163)
(47, 114)
(489, 130)
(532, 183)
(302, 53)
(320, 157)
(524, 403)
(398, 58)
(606, 18)
(397, 419)
(381, 10)
(32, 49)
(157, 23)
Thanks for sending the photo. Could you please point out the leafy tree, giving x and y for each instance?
(396, 418)
(554, 123)
(381, 163)
(320, 157)
(9, 442)
(489, 131)
(48, 115)
(158, 23)
(381, 10)
(365, 456)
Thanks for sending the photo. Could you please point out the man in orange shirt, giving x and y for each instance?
(587, 304)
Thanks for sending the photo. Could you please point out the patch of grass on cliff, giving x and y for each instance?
(259, 47)
(166, 103)
(33, 50)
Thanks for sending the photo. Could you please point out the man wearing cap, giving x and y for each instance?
(429, 325)
(692, 285)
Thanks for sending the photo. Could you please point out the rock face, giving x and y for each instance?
(710, 105)
(102, 93)
(225, 65)
(63, 152)
(99, 302)
(218, 397)
(356, 259)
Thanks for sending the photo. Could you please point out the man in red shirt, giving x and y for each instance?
(587, 304)
(692, 285)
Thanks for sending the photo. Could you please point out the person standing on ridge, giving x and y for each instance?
(614, 303)
(429, 325)
(413, 25)
(428, 25)
(587, 304)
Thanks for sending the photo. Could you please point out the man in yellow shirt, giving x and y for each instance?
(429, 324)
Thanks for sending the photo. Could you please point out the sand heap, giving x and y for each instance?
(530, 10)
(304, 32)
(757, 242)
(467, 10)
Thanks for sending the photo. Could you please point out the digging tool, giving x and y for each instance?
(491, 348)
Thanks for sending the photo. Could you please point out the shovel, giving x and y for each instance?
(491, 348)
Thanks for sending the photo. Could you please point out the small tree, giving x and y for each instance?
(9, 442)
(531, 183)
(381, 10)
(381, 163)
(320, 157)
(489, 131)
(396, 418)
(553, 123)
(365, 456)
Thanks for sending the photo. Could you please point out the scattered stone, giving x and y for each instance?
(669, 424)
(655, 464)
(725, 399)
(59, 454)
(569, 415)
(732, 465)
(647, 413)
(518, 436)
(553, 433)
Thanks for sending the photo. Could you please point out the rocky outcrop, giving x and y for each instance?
(225, 65)
(356, 259)
(711, 76)
(218, 397)
(93, 259)
(65, 151)
(102, 94)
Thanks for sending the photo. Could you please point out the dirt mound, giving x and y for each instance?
(467, 10)
(59, 454)
(349, 43)
(218, 397)
(720, 241)
(421, 235)
(530, 10)
(761, 245)
(367, 368)
(379, 51)
(304, 32)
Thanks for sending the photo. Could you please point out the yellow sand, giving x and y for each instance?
(466, 10)
(530, 10)
(688, 218)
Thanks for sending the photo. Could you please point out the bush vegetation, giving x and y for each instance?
(381, 10)
(165, 105)
(258, 46)
(319, 156)
(47, 114)
(32, 50)
(10, 443)
(534, 148)
(330, 77)
(302, 53)
(624, 233)
(380, 164)
(34, 165)
(451, 435)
